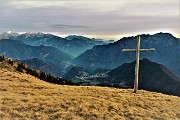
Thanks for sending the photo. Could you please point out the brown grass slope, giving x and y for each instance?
(23, 96)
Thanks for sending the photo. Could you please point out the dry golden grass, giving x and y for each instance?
(23, 96)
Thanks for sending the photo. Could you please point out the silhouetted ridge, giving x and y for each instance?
(152, 76)
(41, 65)
(37, 73)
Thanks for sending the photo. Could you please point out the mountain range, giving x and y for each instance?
(18, 50)
(100, 63)
(46, 52)
(111, 56)
(73, 45)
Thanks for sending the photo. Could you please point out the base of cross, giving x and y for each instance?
(135, 91)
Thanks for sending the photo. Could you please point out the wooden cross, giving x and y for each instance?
(137, 50)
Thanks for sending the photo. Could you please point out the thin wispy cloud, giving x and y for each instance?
(67, 26)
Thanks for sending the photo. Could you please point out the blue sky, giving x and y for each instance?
(108, 19)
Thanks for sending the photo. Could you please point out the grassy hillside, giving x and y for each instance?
(26, 97)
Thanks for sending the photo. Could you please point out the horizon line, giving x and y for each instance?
(114, 37)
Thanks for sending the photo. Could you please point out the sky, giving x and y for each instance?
(106, 19)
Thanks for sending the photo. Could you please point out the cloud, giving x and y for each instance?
(89, 17)
(67, 26)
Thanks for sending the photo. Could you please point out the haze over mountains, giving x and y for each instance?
(57, 52)
(21, 51)
(73, 45)
(97, 60)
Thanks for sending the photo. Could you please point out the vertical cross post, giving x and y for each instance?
(137, 65)
(137, 50)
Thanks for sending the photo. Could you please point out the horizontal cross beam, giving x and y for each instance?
(134, 50)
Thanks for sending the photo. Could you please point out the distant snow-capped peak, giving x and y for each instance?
(9, 32)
